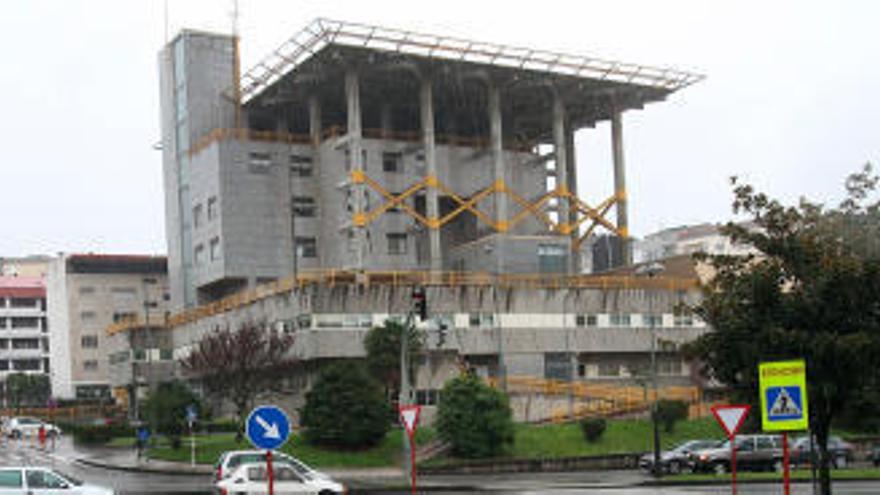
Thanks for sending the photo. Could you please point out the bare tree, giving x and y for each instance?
(237, 365)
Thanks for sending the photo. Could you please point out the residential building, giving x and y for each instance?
(687, 240)
(24, 337)
(86, 293)
(25, 266)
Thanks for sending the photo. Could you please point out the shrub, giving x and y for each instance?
(345, 408)
(593, 428)
(165, 409)
(96, 434)
(474, 418)
(670, 412)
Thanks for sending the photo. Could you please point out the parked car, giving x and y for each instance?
(753, 452)
(842, 453)
(251, 478)
(24, 426)
(677, 459)
(38, 480)
(230, 461)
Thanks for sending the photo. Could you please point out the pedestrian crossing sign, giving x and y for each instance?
(783, 388)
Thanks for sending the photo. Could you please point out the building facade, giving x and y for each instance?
(24, 329)
(87, 293)
(687, 240)
(357, 162)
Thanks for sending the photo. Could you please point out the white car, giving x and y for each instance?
(229, 461)
(43, 481)
(252, 478)
(25, 427)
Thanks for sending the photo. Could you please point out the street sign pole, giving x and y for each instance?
(269, 472)
(731, 418)
(409, 416)
(267, 428)
(784, 404)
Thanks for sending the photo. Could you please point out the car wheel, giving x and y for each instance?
(674, 467)
(719, 468)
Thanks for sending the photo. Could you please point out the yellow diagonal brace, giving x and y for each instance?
(533, 208)
(467, 205)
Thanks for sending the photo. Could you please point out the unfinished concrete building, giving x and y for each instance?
(355, 162)
(370, 149)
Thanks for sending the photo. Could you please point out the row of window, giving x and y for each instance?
(33, 343)
(681, 318)
(24, 364)
(139, 355)
(23, 302)
(199, 212)
(302, 165)
(213, 251)
(24, 322)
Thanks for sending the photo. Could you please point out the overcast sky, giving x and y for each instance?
(790, 103)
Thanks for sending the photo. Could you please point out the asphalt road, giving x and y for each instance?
(592, 482)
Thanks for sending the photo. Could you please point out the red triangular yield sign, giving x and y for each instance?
(731, 417)
(409, 415)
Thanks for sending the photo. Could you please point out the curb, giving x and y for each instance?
(181, 470)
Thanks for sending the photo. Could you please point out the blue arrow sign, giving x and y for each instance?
(267, 427)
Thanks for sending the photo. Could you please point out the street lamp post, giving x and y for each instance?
(651, 270)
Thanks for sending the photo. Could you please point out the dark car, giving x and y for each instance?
(753, 452)
(841, 453)
(677, 459)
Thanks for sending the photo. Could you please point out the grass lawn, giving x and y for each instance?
(622, 436)
(796, 474)
(209, 448)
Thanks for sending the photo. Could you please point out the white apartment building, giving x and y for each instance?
(24, 338)
(688, 239)
(86, 294)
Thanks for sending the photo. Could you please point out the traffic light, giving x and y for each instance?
(420, 303)
(441, 334)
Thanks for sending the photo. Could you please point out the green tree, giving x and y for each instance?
(474, 418)
(811, 292)
(23, 389)
(345, 408)
(165, 408)
(670, 412)
(382, 344)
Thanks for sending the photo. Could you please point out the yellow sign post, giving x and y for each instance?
(783, 388)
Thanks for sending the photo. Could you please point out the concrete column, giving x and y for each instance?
(386, 121)
(496, 145)
(315, 128)
(426, 97)
(355, 162)
(571, 170)
(561, 154)
(620, 184)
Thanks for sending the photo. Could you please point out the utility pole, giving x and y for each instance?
(651, 270)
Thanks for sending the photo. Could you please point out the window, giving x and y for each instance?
(124, 296)
(4, 343)
(396, 243)
(427, 397)
(44, 479)
(215, 248)
(4, 366)
(166, 354)
(197, 215)
(89, 341)
(301, 166)
(618, 320)
(652, 320)
(481, 320)
(552, 258)
(586, 320)
(124, 315)
(23, 302)
(557, 365)
(25, 343)
(259, 162)
(199, 255)
(396, 207)
(683, 317)
(25, 322)
(306, 247)
(2, 322)
(392, 162)
(86, 291)
(212, 208)
(26, 365)
(10, 478)
(303, 206)
(139, 355)
(669, 366)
